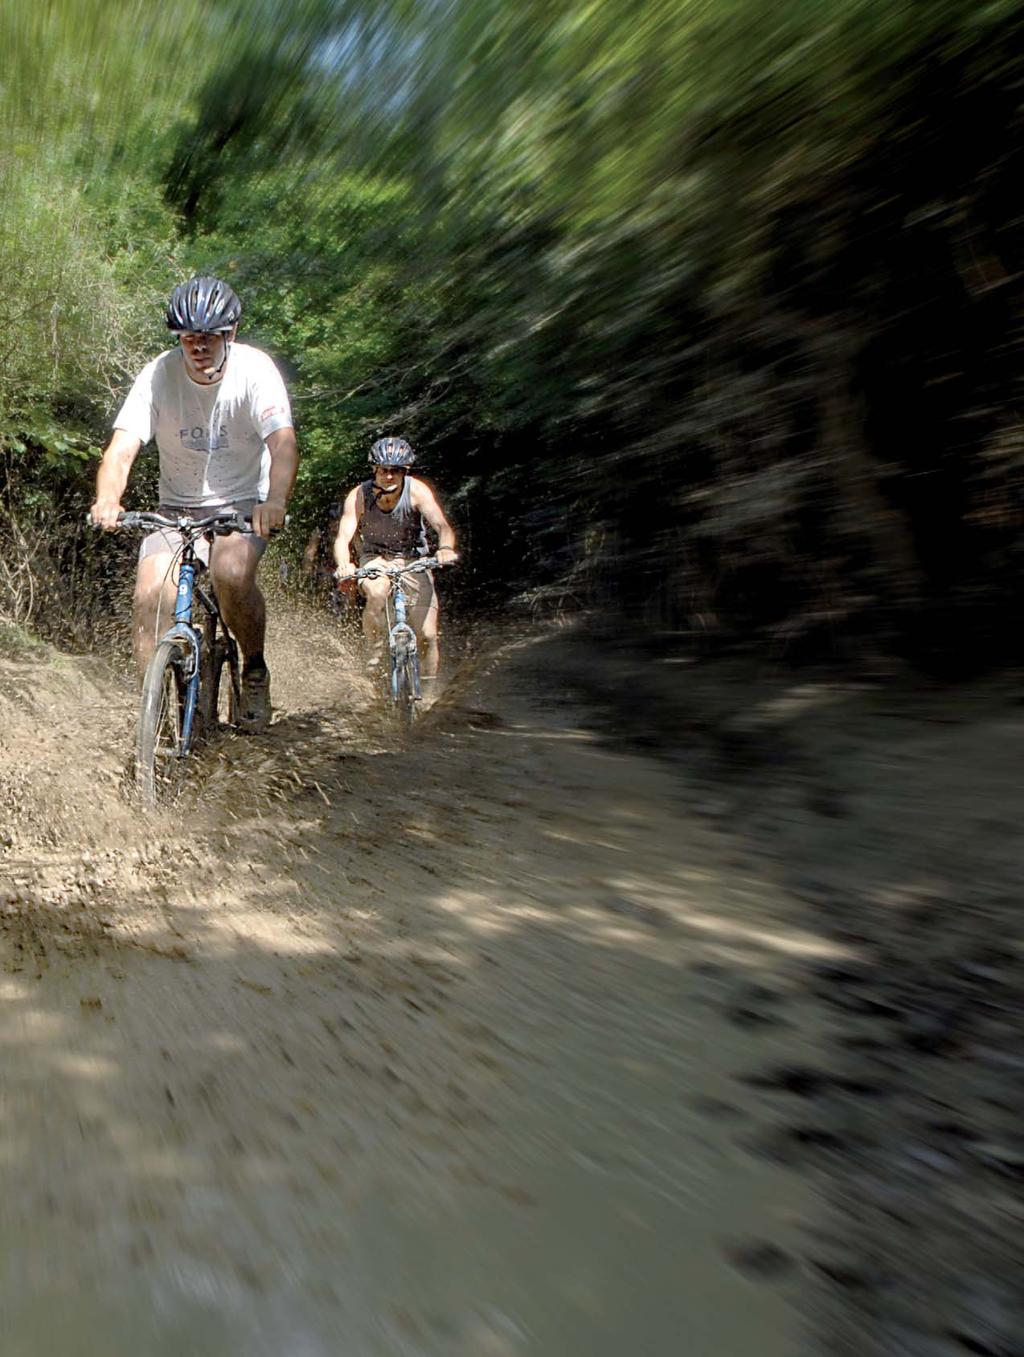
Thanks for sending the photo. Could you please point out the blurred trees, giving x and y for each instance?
(707, 312)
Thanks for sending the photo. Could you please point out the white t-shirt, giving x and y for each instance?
(211, 439)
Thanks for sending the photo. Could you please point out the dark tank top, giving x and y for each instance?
(399, 532)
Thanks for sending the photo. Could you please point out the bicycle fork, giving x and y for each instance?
(183, 630)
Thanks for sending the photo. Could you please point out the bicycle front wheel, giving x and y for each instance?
(403, 693)
(159, 747)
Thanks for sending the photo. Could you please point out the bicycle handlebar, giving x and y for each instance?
(221, 523)
(370, 572)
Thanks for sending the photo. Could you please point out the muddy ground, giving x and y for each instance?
(635, 1006)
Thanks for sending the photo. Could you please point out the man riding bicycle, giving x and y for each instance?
(388, 516)
(220, 416)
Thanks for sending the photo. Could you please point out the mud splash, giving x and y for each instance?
(382, 1049)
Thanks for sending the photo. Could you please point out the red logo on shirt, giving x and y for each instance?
(272, 410)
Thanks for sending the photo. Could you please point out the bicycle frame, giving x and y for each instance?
(185, 630)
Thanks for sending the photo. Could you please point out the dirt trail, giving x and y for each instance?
(894, 812)
(381, 1051)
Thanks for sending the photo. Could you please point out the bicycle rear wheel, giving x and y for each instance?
(226, 683)
(159, 746)
(219, 689)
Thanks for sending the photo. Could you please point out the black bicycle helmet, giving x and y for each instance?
(203, 306)
(391, 452)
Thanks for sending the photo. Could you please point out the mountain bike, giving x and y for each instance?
(402, 681)
(186, 693)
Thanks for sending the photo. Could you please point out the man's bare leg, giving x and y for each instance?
(233, 564)
(425, 618)
(156, 584)
(375, 624)
(431, 647)
(374, 629)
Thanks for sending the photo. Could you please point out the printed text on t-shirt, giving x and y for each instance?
(200, 439)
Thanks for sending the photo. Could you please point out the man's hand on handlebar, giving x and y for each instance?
(268, 517)
(344, 572)
(105, 514)
(450, 557)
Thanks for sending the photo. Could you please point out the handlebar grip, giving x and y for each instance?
(126, 518)
(247, 520)
(236, 523)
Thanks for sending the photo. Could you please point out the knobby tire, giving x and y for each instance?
(226, 683)
(404, 692)
(219, 680)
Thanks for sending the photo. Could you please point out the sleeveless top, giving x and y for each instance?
(398, 532)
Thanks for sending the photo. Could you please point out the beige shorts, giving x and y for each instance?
(169, 540)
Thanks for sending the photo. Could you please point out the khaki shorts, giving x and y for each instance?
(169, 540)
(418, 589)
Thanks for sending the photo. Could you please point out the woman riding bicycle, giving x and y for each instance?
(387, 518)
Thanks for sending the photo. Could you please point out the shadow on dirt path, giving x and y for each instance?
(894, 814)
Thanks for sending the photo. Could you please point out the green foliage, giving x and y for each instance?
(329, 304)
(725, 284)
(86, 244)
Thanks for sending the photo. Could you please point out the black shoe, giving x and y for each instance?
(254, 710)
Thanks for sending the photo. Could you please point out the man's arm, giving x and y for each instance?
(112, 478)
(284, 462)
(424, 499)
(347, 525)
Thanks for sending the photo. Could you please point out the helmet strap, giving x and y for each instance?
(227, 349)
